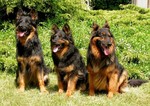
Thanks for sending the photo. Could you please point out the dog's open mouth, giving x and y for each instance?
(21, 33)
(106, 50)
(56, 48)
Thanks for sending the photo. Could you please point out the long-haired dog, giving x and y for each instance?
(31, 67)
(68, 63)
(105, 72)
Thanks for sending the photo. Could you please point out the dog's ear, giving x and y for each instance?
(33, 14)
(19, 14)
(55, 29)
(106, 25)
(66, 29)
(95, 26)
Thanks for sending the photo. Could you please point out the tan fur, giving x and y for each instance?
(71, 85)
(99, 80)
(105, 78)
(24, 39)
(63, 50)
(71, 81)
(68, 68)
(35, 74)
(94, 48)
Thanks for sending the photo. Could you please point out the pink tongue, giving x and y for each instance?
(55, 49)
(21, 34)
(106, 51)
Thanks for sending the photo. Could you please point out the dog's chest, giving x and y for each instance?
(29, 63)
(100, 82)
(101, 76)
(96, 69)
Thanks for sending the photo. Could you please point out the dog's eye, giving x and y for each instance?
(60, 35)
(19, 21)
(102, 36)
(109, 35)
(55, 36)
(28, 21)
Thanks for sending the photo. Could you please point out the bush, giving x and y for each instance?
(64, 9)
(135, 8)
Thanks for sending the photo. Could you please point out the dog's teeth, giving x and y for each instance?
(55, 49)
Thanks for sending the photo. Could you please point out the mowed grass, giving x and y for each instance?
(9, 95)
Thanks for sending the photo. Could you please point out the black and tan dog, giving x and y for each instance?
(31, 66)
(105, 72)
(69, 66)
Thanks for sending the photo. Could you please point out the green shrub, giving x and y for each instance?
(62, 9)
(133, 7)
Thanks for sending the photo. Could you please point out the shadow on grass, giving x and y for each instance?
(97, 93)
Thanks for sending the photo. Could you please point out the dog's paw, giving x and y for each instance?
(60, 91)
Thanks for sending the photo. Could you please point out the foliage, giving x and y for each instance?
(37, 4)
(135, 8)
(47, 8)
(7, 50)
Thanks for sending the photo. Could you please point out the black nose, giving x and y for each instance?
(22, 28)
(109, 44)
(54, 40)
(106, 44)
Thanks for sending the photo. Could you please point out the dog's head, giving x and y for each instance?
(60, 39)
(25, 23)
(103, 39)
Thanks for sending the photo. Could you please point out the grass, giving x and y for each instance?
(139, 96)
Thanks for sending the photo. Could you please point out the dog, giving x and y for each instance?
(68, 63)
(105, 72)
(31, 67)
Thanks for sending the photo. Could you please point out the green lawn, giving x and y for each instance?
(9, 96)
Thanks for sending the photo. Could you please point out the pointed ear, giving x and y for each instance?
(106, 25)
(95, 26)
(66, 29)
(33, 14)
(55, 29)
(19, 13)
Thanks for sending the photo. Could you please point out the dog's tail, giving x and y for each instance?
(46, 73)
(136, 82)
